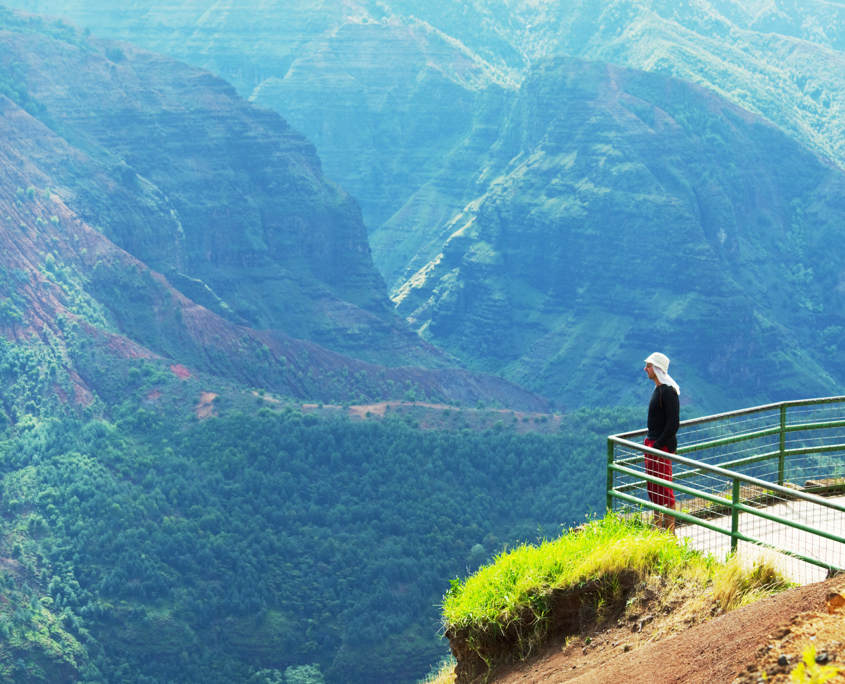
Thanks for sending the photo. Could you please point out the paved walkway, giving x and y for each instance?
(810, 545)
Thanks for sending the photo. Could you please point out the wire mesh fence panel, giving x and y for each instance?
(774, 535)
(778, 453)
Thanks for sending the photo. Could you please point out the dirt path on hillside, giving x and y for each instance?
(380, 408)
(711, 653)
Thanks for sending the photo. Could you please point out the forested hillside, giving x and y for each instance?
(146, 550)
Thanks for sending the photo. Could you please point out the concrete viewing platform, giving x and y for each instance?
(780, 535)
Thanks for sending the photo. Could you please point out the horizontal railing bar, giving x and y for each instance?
(697, 471)
(631, 485)
(706, 419)
(729, 474)
(814, 450)
(744, 437)
(633, 459)
(785, 521)
(637, 484)
(748, 460)
(689, 473)
(671, 485)
(744, 412)
(663, 509)
(802, 427)
(735, 439)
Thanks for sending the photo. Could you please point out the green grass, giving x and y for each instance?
(507, 609)
(522, 579)
(500, 592)
(444, 673)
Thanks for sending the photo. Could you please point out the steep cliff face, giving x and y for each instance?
(638, 212)
(148, 211)
(406, 116)
(200, 185)
(402, 113)
(242, 202)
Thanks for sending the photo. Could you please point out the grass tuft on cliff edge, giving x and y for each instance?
(508, 608)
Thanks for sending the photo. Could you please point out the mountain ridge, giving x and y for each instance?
(778, 62)
(596, 161)
(298, 263)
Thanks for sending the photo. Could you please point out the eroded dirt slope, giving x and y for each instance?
(717, 650)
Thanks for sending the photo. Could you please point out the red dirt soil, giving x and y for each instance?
(717, 651)
(180, 371)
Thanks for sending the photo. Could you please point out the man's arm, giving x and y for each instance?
(672, 406)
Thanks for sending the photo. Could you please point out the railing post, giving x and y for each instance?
(782, 455)
(609, 475)
(734, 516)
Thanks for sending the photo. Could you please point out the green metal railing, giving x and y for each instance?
(763, 469)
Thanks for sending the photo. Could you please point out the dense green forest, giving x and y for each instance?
(265, 546)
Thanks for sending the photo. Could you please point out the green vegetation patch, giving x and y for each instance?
(522, 578)
(242, 546)
(34, 642)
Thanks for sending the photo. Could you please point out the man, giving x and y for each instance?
(664, 411)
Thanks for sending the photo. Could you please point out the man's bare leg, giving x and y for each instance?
(669, 521)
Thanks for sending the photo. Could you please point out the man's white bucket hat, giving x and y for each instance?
(659, 360)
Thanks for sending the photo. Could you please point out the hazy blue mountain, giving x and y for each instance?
(637, 212)
(406, 116)
(779, 59)
(410, 104)
(782, 60)
(412, 107)
(314, 63)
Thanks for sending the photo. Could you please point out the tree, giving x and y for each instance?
(304, 674)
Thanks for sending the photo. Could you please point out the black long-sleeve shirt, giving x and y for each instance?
(664, 415)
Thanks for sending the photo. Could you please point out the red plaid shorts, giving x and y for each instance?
(662, 468)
